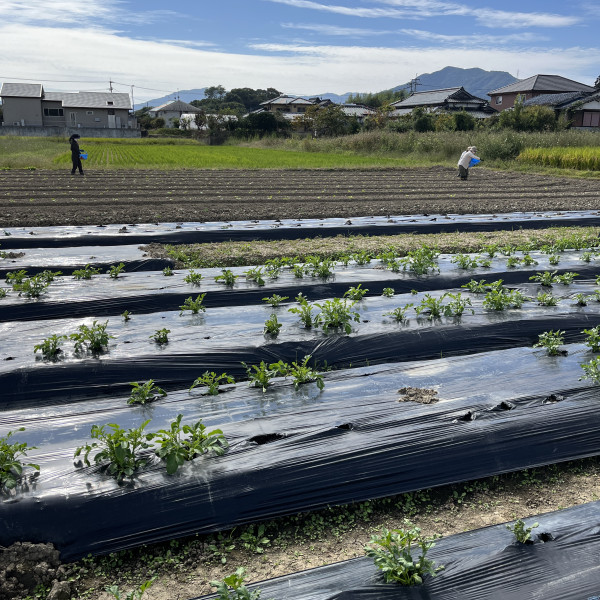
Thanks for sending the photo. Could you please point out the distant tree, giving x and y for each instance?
(157, 123)
(250, 98)
(378, 99)
(144, 118)
(215, 92)
(329, 121)
(422, 120)
(597, 83)
(463, 121)
(200, 120)
(380, 119)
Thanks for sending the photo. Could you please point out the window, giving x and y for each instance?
(89, 112)
(53, 112)
(111, 111)
(498, 99)
(591, 119)
(109, 102)
(97, 119)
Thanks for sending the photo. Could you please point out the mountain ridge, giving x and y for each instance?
(476, 81)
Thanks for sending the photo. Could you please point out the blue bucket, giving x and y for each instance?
(474, 161)
(83, 156)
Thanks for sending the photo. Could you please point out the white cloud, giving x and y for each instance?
(515, 39)
(369, 13)
(335, 29)
(419, 9)
(307, 69)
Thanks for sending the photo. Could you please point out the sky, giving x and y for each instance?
(306, 47)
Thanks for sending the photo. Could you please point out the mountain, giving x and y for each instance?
(183, 95)
(476, 81)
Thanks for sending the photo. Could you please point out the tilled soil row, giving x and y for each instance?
(35, 198)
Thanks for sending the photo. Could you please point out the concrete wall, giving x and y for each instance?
(27, 109)
(84, 132)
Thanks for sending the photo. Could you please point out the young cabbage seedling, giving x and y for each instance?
(593, 338)
(399, 314)
(388, 292)
(260, 375)
(232, 587)
(256, 275)
(94, 338)
(168, 272)
(544, 299)
(592, 370)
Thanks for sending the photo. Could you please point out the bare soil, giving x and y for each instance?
(35, 198)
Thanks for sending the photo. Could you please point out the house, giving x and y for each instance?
(173, 110)
(359, 111)
(581, 108)
(444, 100)
(537, 85)
(29, 105)
(288, 106)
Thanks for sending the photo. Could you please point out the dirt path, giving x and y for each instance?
(33, 198)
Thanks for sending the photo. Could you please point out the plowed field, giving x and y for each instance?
(34, 198)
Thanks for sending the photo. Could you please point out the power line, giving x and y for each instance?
(6, 78)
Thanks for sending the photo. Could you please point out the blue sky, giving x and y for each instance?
(296, 46)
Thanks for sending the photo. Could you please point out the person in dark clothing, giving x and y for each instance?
(75, 152)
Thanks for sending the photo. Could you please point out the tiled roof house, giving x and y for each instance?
(537, 85)
(444, 100)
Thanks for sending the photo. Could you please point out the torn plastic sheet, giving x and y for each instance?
(152, 291)
(292, 451)
(221, 339)
(562, 563)
(188, 233)
(68, 259)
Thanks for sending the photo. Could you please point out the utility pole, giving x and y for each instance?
(132, 102)
(414, 83)
(110, 85)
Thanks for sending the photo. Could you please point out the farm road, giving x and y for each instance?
(36, 198)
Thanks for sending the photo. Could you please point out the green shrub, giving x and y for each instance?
(11, 467)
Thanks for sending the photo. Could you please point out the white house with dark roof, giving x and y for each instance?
(28, 105)
(444, 100)
(175, 109)
(536, 85)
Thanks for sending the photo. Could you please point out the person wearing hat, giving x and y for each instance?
(75, 154)
(464, 162)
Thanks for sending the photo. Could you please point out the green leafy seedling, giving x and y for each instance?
(161, 336)
(115, 270)
(551, 341)
(394, 554)
(142, 393)
(168, 272)
(272, 326)
(275, 300)
(51, 347)
(181, 443)
(211, 381)
(232, 587)
(11, 467)
(399, 314)
(227, 277)
(93, 339)
(388, 292)
(86, 273)
(356, 293)
(195, 306)
(193, 278)
(522, 533)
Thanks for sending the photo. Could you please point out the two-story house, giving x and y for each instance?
(29, 105)
(536, 85)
